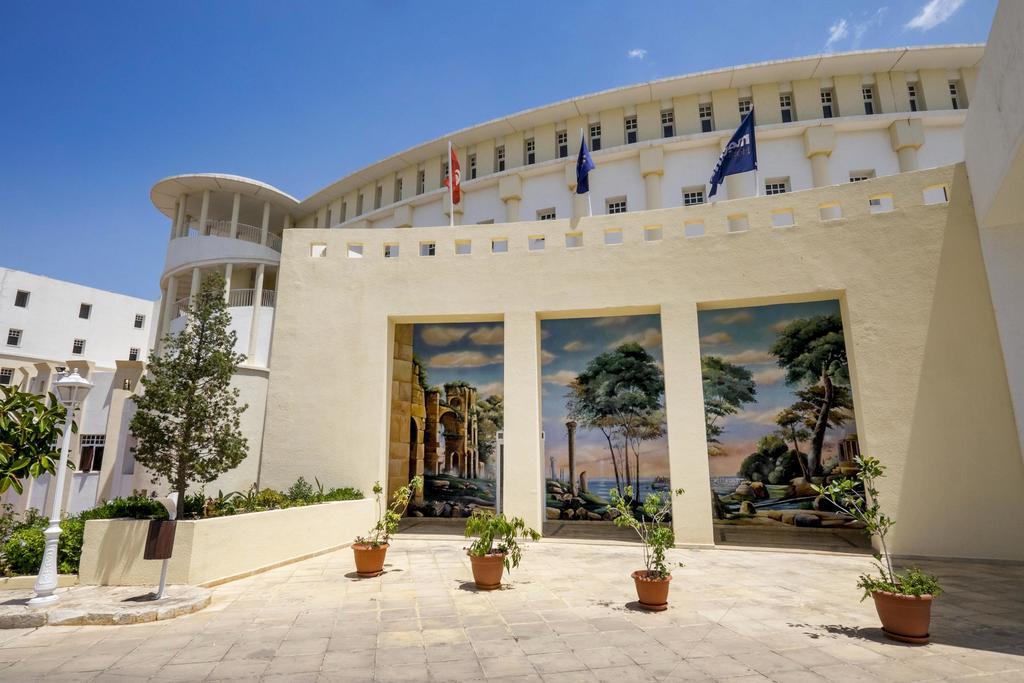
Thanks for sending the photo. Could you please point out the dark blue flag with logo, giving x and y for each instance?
(584, 165)
(739, 156)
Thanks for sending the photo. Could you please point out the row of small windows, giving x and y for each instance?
(705, 114)
(15, 335)
(21, 299)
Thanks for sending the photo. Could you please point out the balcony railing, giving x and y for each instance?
(237, 298)
(249, 233)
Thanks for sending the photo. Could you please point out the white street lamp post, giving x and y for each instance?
(71, 389)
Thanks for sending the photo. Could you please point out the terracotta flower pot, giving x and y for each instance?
(369, 559)
(904, 617)
(487, 570)
(651, 590)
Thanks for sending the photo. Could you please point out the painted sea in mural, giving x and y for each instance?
(603, 413)
(778, 412)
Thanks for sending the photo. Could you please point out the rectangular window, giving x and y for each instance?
(428, 248)
(359, 205)
(463, 247)
(613, 236)
(133, 353)
(499, 158)
(745, 105)
(444, 173)
(954, 95)
(912, 95)
(344, 212)
(936, 194)
(631, 130)
(78, 347)
(868, 93)
(668, 123)
(595, 137)
(318, 250)
(530, 151)
(826, 103)
(91, 459)
(865, 174)
(783, 218)
(573, 240)
(786, 107)
(707, 123)
(546, 215)
(472, 166)
(21, 298)
(355, 250)
(378, 196)
(693, 196)
(13, 337)
(84, 311)
(776, 186)
(390, 251)
(880, 203)
(421, 181)
(693, 228)
(615, 205)
(397, 196)
(562, 142)
(140, 321)
(6, 376)
(652, 233)
(536, 242)
(499, 246)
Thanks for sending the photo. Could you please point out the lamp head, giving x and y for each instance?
(72, 388)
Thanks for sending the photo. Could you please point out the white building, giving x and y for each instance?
(50, 326)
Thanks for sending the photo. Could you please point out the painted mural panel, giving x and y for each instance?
(603, 413)
(778, 412)
(455, 412)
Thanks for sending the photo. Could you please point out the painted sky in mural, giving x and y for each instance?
(743, 336)
(471, 352)
(567, 346)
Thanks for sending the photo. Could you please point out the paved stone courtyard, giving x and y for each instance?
(736, 615)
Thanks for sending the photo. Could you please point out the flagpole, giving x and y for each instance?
(590, 208)
(451, 189)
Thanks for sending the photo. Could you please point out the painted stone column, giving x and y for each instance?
(570, 427)
(652, 166)
(687, 440)
(204, 213)
(257, 307)
(906, 138)
(818, 145)
(523, 487)
(236, 205)
(510, 189)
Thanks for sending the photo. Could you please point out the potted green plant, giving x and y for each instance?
(903, 600)
(371, 550)
(647, 520)
(495, 548)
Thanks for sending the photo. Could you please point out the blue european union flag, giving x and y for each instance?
(739, 156)
(584, 165)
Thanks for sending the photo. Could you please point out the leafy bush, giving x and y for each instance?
(655, 537)
(497, 534)
(23, 551)
(301, 490)
(912, 582)
(387, 520)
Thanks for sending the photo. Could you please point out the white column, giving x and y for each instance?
(172, 295)
(257, 306)
(652, 166)
(265, 225)
(204, 213)
(652, 190)
(236, 205)
(510, 190)
(182, 228)
(288, 221)
(819, 142)
(174, 220)
(197, 277)
(687, 440)
(227, 282)
(523, 484)
(906, 137)
(819, 169)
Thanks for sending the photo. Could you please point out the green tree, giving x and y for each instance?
(792, 427)
(490, 419)
(187, 423)
(812, 351)
(30, 435)
(617, 393)
(727, 388)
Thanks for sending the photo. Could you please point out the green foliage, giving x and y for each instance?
(387, 519)
(810, 347)
(420, 368)
(23, 551)
(133, 507)
(188, 419)
(30, 434)
(865, 507)
(299, 494)
(490, 413)
(498, 534)
(727, 388)
(300, 490)
(655, 536)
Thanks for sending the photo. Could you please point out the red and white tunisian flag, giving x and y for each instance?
(454, 172)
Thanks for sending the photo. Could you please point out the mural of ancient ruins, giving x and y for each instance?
(603, 413)
(778, 413)
(446, 412)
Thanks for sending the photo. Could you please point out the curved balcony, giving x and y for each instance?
(252, 342)
(215, 245)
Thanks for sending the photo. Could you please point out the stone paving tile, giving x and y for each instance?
(567, 615)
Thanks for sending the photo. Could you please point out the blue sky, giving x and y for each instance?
(102, 99)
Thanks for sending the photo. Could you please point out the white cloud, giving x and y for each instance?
(546, 357)
(612, 320)
(464, 359)
(491, 389)
(637, 53)
(760, 417)
(716, 338)
(734, 317)
(488, 336)
(781, 325)
(933, 13)
(749, 357)
(648, 338)
(837, 32)
(770, 376)
(576, 345)
(562, 377)
(443, 336)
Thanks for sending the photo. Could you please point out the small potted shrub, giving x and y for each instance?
(370, 550)
(903, 600)
(495, 548)
(652, 582)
